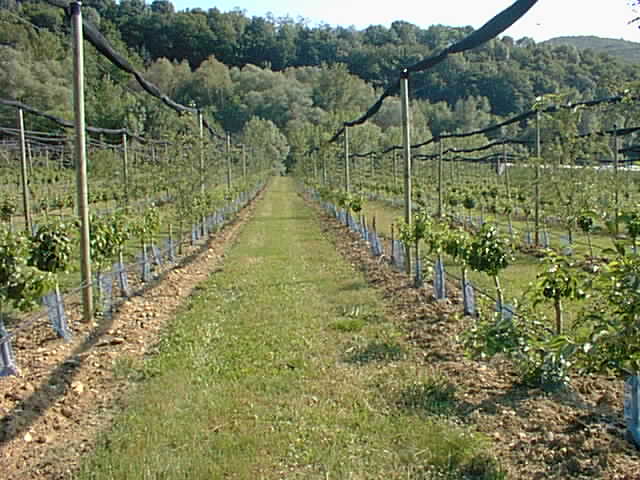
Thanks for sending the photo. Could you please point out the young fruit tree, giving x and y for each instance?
(489, 253)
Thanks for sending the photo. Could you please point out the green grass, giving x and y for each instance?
(284, 366)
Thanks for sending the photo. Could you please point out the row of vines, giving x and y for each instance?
(147, 200)
(548, 238)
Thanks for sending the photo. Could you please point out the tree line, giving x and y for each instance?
(303, 79)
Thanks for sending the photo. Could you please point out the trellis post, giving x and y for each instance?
(81, 160)
(406, 144)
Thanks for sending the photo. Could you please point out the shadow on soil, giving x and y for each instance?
(19, 420)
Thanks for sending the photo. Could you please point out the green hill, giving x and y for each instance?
(622, 49)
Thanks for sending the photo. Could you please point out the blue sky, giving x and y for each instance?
(549, 18)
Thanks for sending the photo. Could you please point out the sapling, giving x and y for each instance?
(614, 342)
(489, 253)
(632, 221)
(7, 211)
(435, 239)
(21, 284)
(558, 281)
(413, 234)
(587, 225)
(469, 203)
(456, 244)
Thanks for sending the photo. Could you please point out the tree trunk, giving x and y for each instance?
(496, 280)
(559, 317)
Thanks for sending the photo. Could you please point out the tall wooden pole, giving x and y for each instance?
(507, 186)
(244, 162)
(347, 161)
(314, 158)
(406, 144)
(125, 168)
(324, 169)
(228, 162)
(395, 167)
(537, 182)
(373, 167)
(26, 197)
(201, 132)
(440, 179)
(81, 160)
(616, 178)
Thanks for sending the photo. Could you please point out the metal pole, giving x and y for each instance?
(81, 160)
(406, 143)
(347, 173)
(125, 168)
(26, 204)
(537, 182)
(440, 182)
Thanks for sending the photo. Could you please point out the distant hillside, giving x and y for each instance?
(623, 49)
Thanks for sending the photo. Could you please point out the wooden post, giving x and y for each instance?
(228, 162)
(373, 167)
(347, 166)
(507, 186)
(26, 196)
(616, 178)
(81, 160)
(440, 180)
(537, 182)
(244, 162)
(29, 156)
(315, 166)
(395, 167)
(406, 143)
(393, 242)
(324, 169)
(201, 131)
(49, 180)
(125, 168)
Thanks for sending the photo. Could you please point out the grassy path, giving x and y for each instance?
(285, 366)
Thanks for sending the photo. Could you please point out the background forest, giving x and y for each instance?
(281, 78)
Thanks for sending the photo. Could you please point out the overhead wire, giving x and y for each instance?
(488, 31)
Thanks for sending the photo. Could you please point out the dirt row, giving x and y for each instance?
(578, 433)
(67, 393)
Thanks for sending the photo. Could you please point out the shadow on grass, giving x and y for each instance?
(375, 352)
(433, 397)
(355, 286)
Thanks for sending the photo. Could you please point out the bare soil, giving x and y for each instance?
(67, 393)
(578, 433)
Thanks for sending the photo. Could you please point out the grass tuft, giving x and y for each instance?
(348, 324)
(435, 396)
